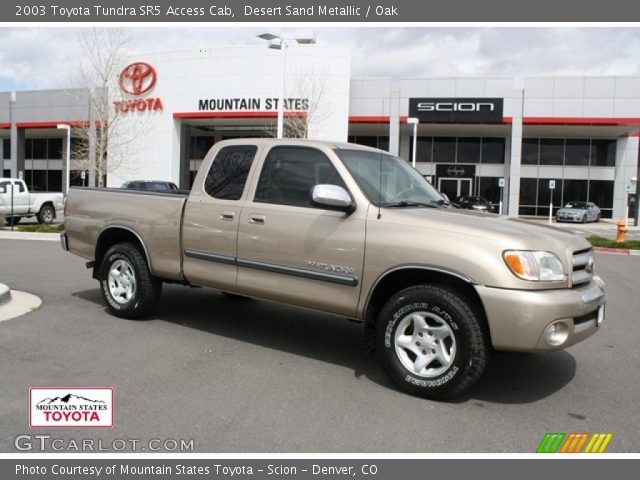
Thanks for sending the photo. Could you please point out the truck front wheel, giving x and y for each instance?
(128, 288)
(431, 342)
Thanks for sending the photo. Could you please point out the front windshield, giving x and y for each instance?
(579, 205)
(399, 183)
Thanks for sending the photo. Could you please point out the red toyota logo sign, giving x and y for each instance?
(138, 78)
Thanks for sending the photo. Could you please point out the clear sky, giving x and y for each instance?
(45, 57)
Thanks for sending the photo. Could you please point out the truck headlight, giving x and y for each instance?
(534, 266)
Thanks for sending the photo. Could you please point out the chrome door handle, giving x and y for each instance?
(257, 219)
(227, 215)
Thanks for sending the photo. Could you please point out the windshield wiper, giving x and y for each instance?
(409, 204)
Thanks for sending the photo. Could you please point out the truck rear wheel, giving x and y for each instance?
(431, 342)
(46, 214)
(128, 288)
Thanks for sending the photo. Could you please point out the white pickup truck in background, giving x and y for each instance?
(25, 204)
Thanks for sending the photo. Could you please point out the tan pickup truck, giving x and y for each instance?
(352, 231)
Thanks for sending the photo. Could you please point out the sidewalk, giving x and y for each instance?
(6, 233)
(607, 224)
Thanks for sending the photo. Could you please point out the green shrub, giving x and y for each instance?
(597, 241)
(42, 228)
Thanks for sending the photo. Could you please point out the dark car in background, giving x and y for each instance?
(472, 202)
(582, 212)
(151, 185)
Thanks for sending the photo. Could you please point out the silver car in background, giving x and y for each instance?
(582, 212)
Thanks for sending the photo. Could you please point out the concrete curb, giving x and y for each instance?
(5, 294)
(9, 235)
(616, 251)
(21, 303)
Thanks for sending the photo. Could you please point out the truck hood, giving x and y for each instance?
(506, 232)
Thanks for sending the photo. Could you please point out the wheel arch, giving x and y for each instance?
(112, 235)
(401, 277)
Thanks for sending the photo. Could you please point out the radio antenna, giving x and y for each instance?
(380, 168)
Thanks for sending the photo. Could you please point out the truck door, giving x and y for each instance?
(293, 251)
(210, 225)
(20, 197)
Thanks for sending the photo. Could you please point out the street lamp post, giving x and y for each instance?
(281, 42)
(66, 127)
(414, 121)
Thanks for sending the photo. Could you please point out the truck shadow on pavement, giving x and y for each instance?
(510, 378)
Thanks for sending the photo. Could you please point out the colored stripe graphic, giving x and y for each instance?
(550, 443)
(573, 442)
(598, 443)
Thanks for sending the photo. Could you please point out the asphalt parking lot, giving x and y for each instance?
(253, 376)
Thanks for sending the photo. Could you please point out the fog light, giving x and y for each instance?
(556, 334)
(600, 315)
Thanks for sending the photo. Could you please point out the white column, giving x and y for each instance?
(513, 182)
(626, 169)
(394, 121)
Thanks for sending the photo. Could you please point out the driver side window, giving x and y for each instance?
(290, 173)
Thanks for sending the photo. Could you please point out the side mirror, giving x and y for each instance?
(332, 197)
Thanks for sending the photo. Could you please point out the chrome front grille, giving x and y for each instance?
(583, 267)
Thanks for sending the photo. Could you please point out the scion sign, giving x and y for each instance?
(449, 110)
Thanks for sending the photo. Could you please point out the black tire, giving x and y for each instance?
(446, 312)
(235, 297)
(127, 259)
(46, 215)
(598, 218)
(12, 221)
(584, 218)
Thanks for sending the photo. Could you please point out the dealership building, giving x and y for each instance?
(506, 139)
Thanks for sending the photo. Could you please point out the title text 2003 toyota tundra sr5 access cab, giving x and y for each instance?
(352, 231)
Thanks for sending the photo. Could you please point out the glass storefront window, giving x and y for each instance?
(6, 148)
(54, 148)
(444, 149)
(544, 195)
(374, 141)
(468, 150)
(528, 191)
(575, 190)
(492, 150)
(530, 151)
(551, 151)
(601, 193)
(603, 153)
(489, 189)
(423, 149)
(577, 152)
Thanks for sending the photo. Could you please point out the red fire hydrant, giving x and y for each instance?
(622, 230)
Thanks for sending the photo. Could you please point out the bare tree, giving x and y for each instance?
(310, 88)
(305, 104)
(105, 142)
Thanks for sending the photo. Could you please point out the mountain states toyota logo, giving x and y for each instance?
(70, 407)
(137, 78)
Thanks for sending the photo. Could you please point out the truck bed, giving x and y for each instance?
(152, 216)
